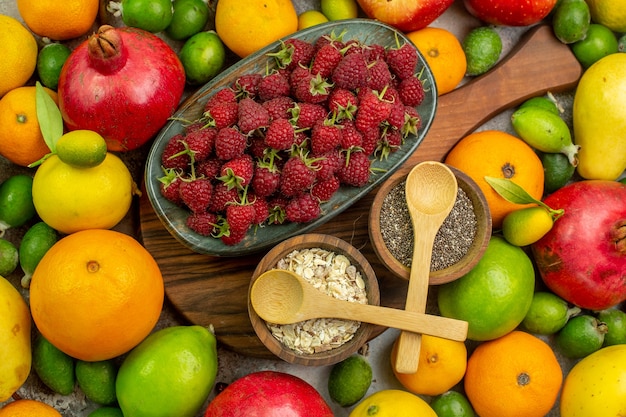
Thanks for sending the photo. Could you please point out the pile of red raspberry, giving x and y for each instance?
(273, 147)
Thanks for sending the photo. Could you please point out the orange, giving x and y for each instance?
(59, 20)
(515, 375)
(246, 27)
(96, 294)
(19, 54)
(498, 154)
(21, 141)
(441, 366)
(444, 54)
(28, 408)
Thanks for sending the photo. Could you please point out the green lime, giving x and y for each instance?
(36, 241)
(170, 373)
(571, 20)
(546, 103)
(600, 42)
(527, 225)
(81, 148)
(50, 62)
(106, 412)
(452, 404)
(189, 18)
(581, 336)
(548, 313)
(54, 367)
(339, 9)
(557, 170)
(615, 321)
(9, 258)
(621, 43)
(495, 295)
(151, 15)
(16, 201)
(97, 380)
(202, 56)
(482, 47)
(349, 380)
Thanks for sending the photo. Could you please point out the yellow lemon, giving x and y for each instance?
(610, 13)
(339, 9)
(310, 18)
(393, 403)
(19, 54)
(70, 199)
(527, 225)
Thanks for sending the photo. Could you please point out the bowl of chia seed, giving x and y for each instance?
(459, 243)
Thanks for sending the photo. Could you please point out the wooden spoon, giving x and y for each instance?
(283, 297)
(431, 190)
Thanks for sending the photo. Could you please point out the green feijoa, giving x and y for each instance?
(544, 131)
(544, 102)
(36, 241)
(548, 313)
(615, 321)
(571, 21)
(581, 336)
(557, 170)
(349, 380)
(190, 17)
(482, 47)
(106, 412)
(54, 367)
(16, 202)
(97, 380)
(9, 258)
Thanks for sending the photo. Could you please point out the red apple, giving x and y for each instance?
(405, 15)
(510, 12)
(269, 394)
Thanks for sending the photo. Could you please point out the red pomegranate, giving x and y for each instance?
(123, 83)
(269, 394)
(583, 257)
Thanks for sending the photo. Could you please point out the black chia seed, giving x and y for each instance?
(452, 241)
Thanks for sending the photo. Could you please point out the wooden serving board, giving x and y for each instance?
(209, 290)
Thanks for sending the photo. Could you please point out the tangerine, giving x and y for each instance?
(246, 27)
(96, 294)
(19, 54)
(28, 408)
(21, 141)
(59, 20)
(514, 375)
(444, 54)
(494, 153)
(441, 366)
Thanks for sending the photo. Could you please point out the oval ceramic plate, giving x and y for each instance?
(173, 217)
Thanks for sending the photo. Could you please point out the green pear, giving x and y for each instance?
(599, 117)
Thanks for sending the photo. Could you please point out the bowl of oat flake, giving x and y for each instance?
(334, 267)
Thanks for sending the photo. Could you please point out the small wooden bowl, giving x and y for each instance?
(332, 244)
(453, 272)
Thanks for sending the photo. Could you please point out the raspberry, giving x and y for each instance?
(223, 95)
(239, 216)
(273, 85)
(342, 103)
(237, 172)
(196, 194)
(313, 89)
(209, 168)
(327, 165)
(257, 147)
(411, 91)
(374, 52)
(233, 237)
(221, 114)
(350, 137)
(266, 179)
(402, 60)
(201, 143)
(277, 206)
(351, 72)
(325, 136)
(356, 170)
(278, 108)
(293, 52)
(325, 60)
(391, 142)
(371, 138)
(229, 143)
(324, 190)
(280, 134)
(261, 208)
(297, 176)
(251, 116)
(305, 115)
(379, 75)
(202, 223)
(221, 197)
(372, 110)
(169, 186)
(174, 155)
(302, 209)
(247, 85)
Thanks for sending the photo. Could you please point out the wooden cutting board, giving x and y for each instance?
(208, 290)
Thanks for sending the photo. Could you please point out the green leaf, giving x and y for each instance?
(49, 117)
(515, 194)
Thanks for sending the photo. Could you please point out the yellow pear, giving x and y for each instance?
(599, 117)
(14, 340)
